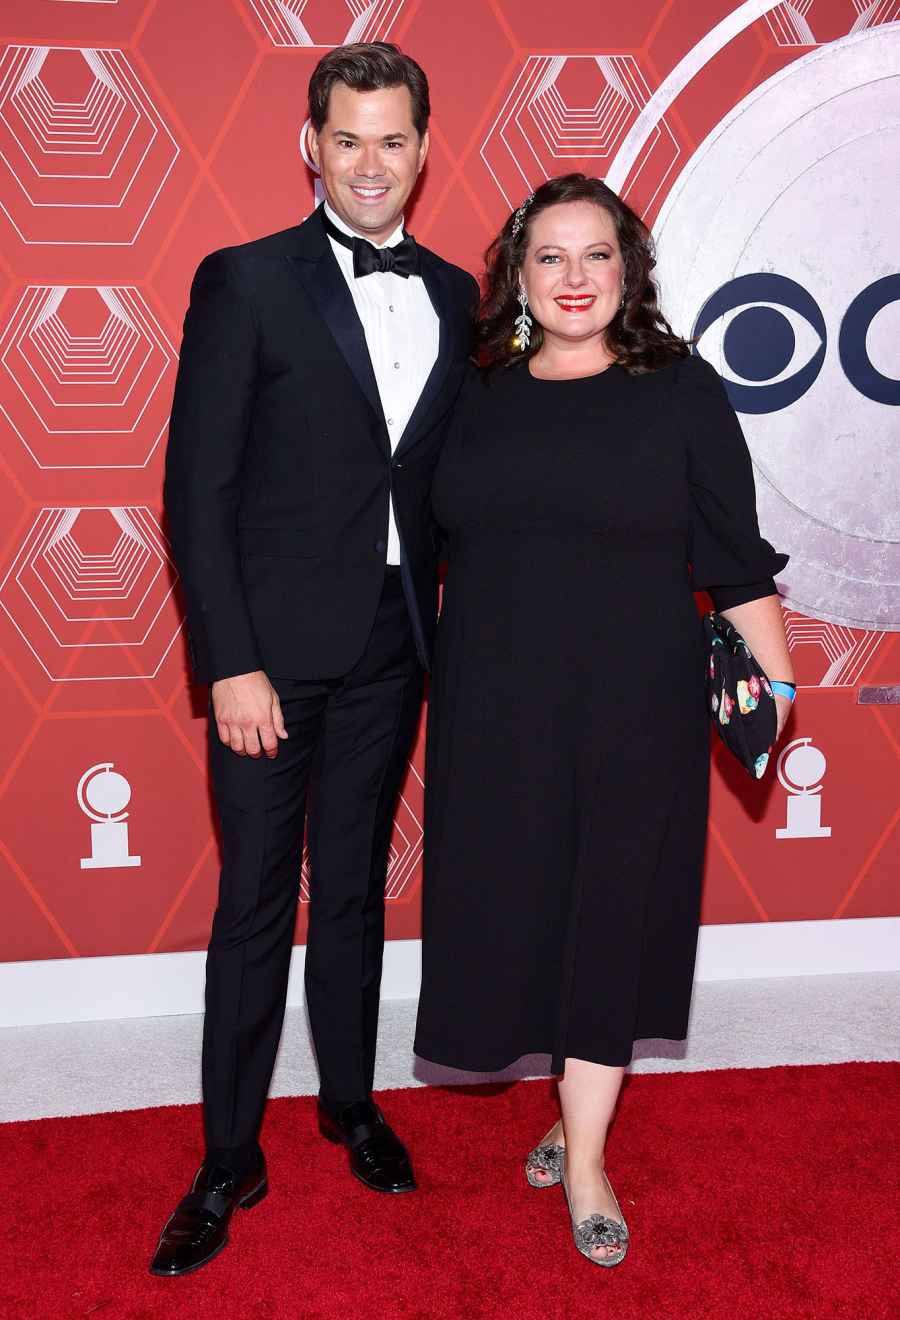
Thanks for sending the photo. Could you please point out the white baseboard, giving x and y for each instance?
(798, 948)
(160, 984)
(153, 985)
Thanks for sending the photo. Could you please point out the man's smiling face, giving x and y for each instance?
(369, 154)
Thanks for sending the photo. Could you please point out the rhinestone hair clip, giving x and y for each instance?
(519, 217)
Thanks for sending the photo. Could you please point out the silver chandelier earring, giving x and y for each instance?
(522, 335)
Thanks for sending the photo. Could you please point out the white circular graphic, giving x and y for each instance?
(801, 766)
(103, 792)
(778, 243)
(308, 161)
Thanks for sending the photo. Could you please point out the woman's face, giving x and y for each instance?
(573, 270)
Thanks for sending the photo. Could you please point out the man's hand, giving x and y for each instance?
(248, 714)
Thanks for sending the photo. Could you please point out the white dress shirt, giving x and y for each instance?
(402, 333)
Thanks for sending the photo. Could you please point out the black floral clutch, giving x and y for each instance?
(739, 696)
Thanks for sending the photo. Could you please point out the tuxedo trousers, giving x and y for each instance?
(341, 766)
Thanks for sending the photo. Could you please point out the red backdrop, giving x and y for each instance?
(135, 137)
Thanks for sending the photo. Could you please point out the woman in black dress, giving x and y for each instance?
(595, 476)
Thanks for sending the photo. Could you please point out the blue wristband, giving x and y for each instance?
(783, 689)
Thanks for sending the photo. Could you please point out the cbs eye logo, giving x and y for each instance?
(773, 340)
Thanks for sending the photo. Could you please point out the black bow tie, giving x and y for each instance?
(402, 259)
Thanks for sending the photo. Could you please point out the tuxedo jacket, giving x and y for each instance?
(279, 469)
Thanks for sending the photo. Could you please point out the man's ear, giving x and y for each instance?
(423, 149)
(312, 142)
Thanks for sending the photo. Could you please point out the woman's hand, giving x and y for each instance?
(783, 709)
(761, 624)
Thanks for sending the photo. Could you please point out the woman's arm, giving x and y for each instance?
(761, 624)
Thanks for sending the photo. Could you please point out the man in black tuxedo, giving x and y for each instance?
(318, 370)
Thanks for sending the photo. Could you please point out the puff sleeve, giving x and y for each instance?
(729, 558)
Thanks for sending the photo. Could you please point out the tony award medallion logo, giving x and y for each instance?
(103, 795)
(801, 768)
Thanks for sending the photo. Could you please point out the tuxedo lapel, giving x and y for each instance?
(317, 269)
(440, 301)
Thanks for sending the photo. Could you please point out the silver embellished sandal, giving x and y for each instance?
(549, 1157)
(599, 1231)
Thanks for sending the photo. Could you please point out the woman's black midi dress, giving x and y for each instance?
(568, 739)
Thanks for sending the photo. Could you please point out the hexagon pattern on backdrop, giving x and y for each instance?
(135, 137)
(87, 365)
(312, 23)
(91, 593)
(578, 108)
(78, 133)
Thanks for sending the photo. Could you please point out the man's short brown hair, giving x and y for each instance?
(368, 67)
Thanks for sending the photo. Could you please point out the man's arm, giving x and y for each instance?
(208, 436)
(207, 442)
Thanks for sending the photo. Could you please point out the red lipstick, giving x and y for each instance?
(576, 302)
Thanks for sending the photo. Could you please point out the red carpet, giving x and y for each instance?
(751, 1195)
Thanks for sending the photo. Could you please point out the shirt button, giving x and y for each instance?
(390, 421)
(391, 308)
(396, 366)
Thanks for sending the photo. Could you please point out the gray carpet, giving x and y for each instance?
(93, 1067)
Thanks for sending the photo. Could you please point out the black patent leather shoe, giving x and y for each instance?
(377, 1156)
(197, 1230)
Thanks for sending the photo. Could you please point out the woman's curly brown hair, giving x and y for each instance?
(639, 336)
